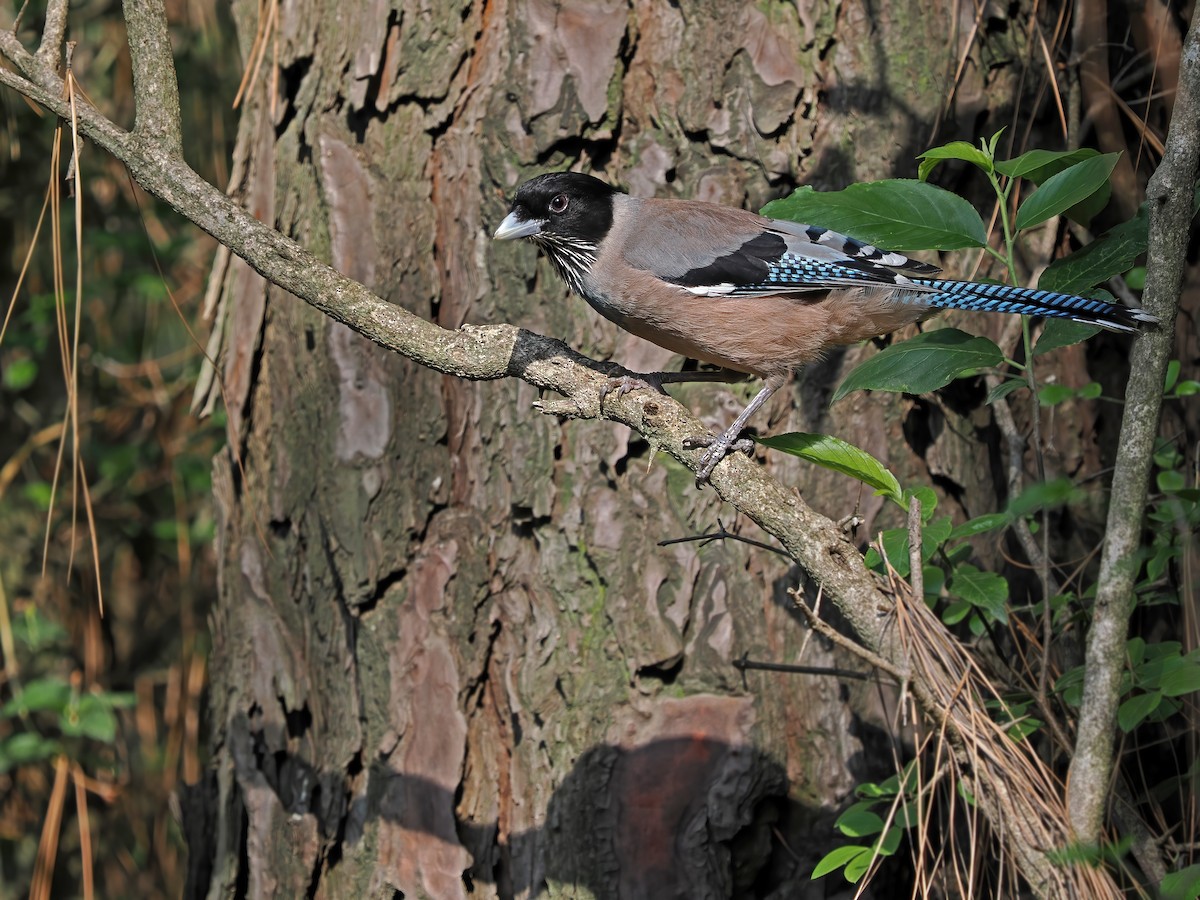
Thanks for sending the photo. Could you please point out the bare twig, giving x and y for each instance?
(745, 664)
(819, 625)
(155, 88)
(916, 548)
(50, 50)
(1169, 197)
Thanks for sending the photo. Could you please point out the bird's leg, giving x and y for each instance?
(719, 446)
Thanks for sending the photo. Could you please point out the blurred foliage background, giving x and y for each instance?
(107, 722)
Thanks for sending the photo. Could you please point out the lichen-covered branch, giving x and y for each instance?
(155, 88)
(1169, 195)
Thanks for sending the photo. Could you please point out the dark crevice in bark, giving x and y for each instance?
(666, 671)
(382, 586)
(290, 78)
(241, 887)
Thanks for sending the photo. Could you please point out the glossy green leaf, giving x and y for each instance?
(987, 591)
(1133, 711)
(981, 524)
(42, 694)
(1004, 388)
(922, 364)
(1181, 885)
(1048, 494)
(1062, 191)
(833, 453)
(1039, 165)
(1172, 376)
(1062, 333)
(837, 858)
(1110, 254)
(858, 821)
(954, 150)
(900, 214)
(1182, 680)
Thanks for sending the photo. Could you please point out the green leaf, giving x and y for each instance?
(1062, 333)
(1111, 254)
(1182, 680)
(1173, 368)
(954, 150)
(26, 747)
(922, 364)
(1038, 165)
(858, 821)
(44, 693)
(1131, 713)
(1135, 649)
(987, 591)
(889, 842)
(934, 534)
(837, 858)
(1064, 190)
(956, 612)
(1171, 481)
(20, 374)
(1004, 388)
(1048, 494)
(900, 214)
(833, 453)
(928, 498)
(980, 524)
(857, 867)
(1181, 885)
(1054, 394)
(91, 718)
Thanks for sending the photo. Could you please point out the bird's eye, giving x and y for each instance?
(559, 203)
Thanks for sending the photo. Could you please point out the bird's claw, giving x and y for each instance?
(623, 384)
(718, 448)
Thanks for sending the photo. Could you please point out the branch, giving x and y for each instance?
(155, 88)
(49, 52)
(1169, 195)
(497, 351)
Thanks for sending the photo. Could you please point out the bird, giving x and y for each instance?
(749, 294)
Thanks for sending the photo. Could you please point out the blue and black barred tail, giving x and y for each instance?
(1031, 302)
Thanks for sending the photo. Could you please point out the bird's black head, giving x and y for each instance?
(567, 214)
(568, 204)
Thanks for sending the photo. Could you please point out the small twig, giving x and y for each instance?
(20, 15)
(744, 664)
(52, 34)
(721, 534)
(823, 628)
(916, 548)
(155, 84)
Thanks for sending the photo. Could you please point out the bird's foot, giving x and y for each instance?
(623, 384)
(718, 448)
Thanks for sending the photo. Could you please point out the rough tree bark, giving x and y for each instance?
(450, 659)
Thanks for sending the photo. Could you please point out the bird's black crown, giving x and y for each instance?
(575, 206)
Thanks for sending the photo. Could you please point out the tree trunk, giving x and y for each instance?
(450, 658)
